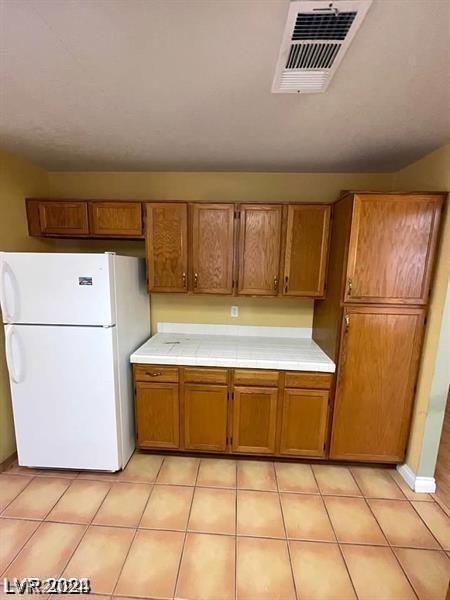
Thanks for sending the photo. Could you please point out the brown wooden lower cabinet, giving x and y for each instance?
(205, 417)
(380, 349)
(157, 415)
(254, 420)
(304, 422)
(200, 409)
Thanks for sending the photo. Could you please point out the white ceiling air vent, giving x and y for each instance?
(315, 39)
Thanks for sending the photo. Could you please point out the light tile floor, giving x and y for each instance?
(212, 529)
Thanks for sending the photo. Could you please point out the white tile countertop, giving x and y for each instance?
(282, 348)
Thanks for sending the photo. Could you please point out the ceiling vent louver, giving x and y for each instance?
(316, 37)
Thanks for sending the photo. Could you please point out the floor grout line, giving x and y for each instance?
(235, 530)
(297, 595)
(391, 549)
(426, 524)
(16, 496)
(186, 532)
(336, 537)
(136, 531)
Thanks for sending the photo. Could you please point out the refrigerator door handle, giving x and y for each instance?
(5, 270)
(16, 376)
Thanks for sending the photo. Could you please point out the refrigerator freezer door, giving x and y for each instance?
(64, 395)
(63, 289)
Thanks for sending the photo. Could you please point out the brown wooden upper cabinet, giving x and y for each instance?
(305, 260)
(116, 219)
(259, 249)
(63, 218)
(380, 349)
(212, 248)
(167, 248)
(76, 218)
(391, 248)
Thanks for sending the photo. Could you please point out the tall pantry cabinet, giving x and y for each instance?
(371, 323)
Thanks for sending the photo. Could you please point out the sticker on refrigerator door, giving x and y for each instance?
(84, 280)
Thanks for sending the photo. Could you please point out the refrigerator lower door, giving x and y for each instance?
(64, 395)
(57, 289)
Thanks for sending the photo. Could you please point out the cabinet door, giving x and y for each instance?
(212, 248)
(157, 415)
(167, 255)
(116, 219)
(259, 249)
(391, 249)
(304, 422)
(64, 218)
(306, 250)
(254, 419)
(205, 417)
(380, 350)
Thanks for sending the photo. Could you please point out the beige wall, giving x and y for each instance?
(213, 186)
(18, 179)
(431, 173)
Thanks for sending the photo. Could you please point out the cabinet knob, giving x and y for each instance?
(184, 279)
(275, 283)
(349, 286)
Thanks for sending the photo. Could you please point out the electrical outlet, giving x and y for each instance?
(234, 311)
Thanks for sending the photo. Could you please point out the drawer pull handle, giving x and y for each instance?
(153, 373)
(184, 279)
(275, 283)
(195, 280)
(286, 284)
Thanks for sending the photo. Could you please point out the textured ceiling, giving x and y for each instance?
(185, 85)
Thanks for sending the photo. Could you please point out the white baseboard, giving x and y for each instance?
(421, 485)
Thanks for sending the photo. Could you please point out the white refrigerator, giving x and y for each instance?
(71, 322)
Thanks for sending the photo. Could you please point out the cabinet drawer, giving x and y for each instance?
(315, 381)
(155, 373)
(205, 376)
(256, 377)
